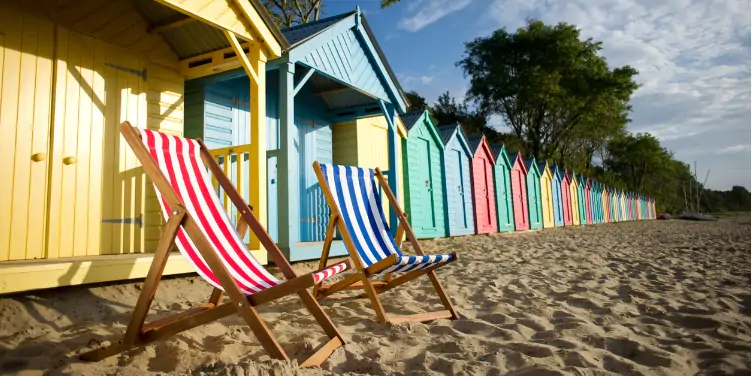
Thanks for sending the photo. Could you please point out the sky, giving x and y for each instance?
(693, 58)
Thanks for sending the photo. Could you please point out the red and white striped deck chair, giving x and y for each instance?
(200, 227)
(353, 197)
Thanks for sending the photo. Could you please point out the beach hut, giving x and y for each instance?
(331, 98)
(534, 202)
(605, 203)
(556, 195)
(518, 180)
(599, 199)
(566, 196)
(458, 198)
(652, 208)
(574, 197)
(422, 155)
(587, 208)
(75, 206)
(595, 199)
(503, 185)
(632, 207)
(484, 197)
(546, 198)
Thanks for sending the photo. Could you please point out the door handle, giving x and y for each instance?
(69, 160)
(38, 157)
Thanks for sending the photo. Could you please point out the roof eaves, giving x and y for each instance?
(383, 58)
(269, 21)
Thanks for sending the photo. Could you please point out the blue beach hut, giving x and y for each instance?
(557, 174)
(458, 195)
(334, 73)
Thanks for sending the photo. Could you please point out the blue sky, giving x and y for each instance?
(693, 58)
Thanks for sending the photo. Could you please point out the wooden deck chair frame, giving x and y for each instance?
(138, 333)
(361, 278)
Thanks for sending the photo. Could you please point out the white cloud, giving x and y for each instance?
(694, 63)
(425, 12)
(410, 80)
(733, 149)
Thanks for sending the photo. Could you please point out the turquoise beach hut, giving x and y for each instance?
(503, 186)
(557, 195)
(534, 204)
(334, 72)
(422, 154)
(458, 197)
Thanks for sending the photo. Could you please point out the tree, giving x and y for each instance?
(551, 88)
(289, 13)
(416, 101)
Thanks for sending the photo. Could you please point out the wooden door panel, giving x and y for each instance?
(26, 66)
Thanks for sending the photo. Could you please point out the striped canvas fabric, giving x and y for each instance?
(359, 203)
(179, 160)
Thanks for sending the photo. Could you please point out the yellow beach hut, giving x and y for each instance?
(75, 206)
(547, 200)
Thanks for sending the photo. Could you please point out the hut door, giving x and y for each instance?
(456, 194)
(315, 145)
(272, 223)
(26, 66)
(502, 186)
(487, 175)
(97, 186)
(428, 220)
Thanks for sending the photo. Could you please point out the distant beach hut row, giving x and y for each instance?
(459, 186)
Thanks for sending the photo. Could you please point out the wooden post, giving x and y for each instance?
(257, 162)
(288, 171)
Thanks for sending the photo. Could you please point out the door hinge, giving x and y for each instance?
(128, 221)
(140, 73)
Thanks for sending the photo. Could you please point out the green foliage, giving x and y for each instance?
(388, 3)
(416, 102)
(551, 88)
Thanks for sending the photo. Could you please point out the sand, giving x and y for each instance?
(661, 297)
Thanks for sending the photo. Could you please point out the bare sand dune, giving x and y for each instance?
(664, 298)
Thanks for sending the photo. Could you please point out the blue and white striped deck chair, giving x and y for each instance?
(357, 213)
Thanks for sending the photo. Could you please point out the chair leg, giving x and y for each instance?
(153, 277)
(442, 294)
(321, 317)
(259, 328)
(374, 297)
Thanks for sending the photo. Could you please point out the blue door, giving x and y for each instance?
(315, 145)
(272, 191)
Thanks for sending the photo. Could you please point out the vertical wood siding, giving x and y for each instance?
(547, 203)
(422, 163)
(504, 206)
(62, 96)
(458, 189)
(519, 199)
(26, 71)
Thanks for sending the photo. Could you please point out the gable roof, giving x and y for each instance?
(299, 34)
(531, 165)
(514, 157)
(413, 118)
(542, 166)
(449, 131)
(327, 45)
(409, 119)
(500, 153)
(474, 143)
